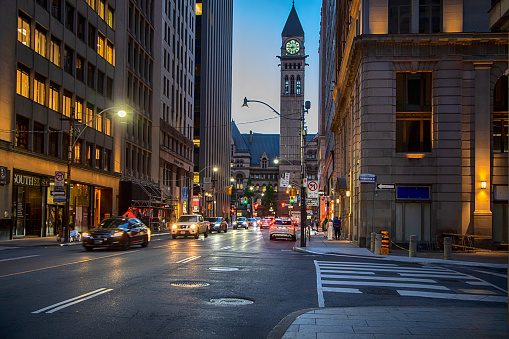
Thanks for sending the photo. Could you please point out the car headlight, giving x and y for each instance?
(85, 235)
(117, 234)
(174, 226)
(218, 224)
(193, 226)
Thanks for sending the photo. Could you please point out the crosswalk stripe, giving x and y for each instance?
(395, 269)
(383, 284)
(351, 272)
(341, 290)
(339, 263)
(436, 275)
(469, 297)
(379, 278)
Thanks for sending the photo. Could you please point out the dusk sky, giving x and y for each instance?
(257, 28)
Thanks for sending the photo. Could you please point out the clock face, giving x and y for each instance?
(292, 47)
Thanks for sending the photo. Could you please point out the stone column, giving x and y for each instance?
(482, 150)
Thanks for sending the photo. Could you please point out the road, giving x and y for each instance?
(229, 285)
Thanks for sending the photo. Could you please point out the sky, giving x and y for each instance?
(257, 27)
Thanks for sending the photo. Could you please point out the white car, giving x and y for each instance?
(240, 222)
(190, 225)
(283, 228)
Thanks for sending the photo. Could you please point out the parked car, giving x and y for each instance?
(217, 224)
(265, 223)
(190, 225)
(252, 222)
(283, 228)
(122, 232)
(240, 222)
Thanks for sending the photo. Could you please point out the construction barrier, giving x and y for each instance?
(385, 243)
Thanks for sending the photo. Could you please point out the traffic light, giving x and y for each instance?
(245, 200)
(256, 206)
(282, 204)
(291, 200)
(294, 192)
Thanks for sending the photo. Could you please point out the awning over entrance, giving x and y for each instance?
(341, 183)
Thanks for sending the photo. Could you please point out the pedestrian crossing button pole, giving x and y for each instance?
(412, 246)
(447, 248)
(378, 244)
(373, 236)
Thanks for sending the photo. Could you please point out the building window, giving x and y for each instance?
(99, 157)
(500, 132)
(42, 3)
(53, 143)
(54, 91)
(111, 17)
(91, 36)
(286, 84)
(77, 152)
(107, 160)
(21, 132)
(91, 3)
(99, 120)
(23, 81)
(109, 87)
(100, 82)
(40, 89)
(55, 8)
(100, 44)
(80, 68)
(101, 8)
(67, 104)
(68, 59)
(264, 163)
(90, 115)
(40, 40)
(24, 30)
(107, 124)
(413, 112)
(400, 12)
(81, 27)
(110, 53)
(292, 85)
(38, 138)
(91, 76)
(430, 16)
(69, 17)
(79, 110)
(88, 160)
(298, 84)
(55, 51)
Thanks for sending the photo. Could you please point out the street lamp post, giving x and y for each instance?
(303, 216)
(70, 158)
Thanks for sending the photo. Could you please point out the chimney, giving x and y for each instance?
(250, 137)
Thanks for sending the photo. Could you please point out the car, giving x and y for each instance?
(121, 232)
(258, 220)
(252, 222)
(240, 222)
(217, 224)
(265, 223)
(283, 228)
(190, 225)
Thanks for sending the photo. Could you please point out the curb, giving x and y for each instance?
(280, 329)
(409, 259)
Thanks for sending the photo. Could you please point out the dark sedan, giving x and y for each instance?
(120, 232)
(217, 224)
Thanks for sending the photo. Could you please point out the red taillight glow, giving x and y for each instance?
(290, 227)
(272, 227)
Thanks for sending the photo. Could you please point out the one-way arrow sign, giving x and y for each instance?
(386, 186)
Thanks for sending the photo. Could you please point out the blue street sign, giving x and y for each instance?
(366, 177)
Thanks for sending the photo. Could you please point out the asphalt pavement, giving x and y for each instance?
(376, 321)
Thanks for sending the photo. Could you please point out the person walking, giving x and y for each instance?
(324, 226)
(336, 223)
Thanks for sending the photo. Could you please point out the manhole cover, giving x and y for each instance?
(223, 269)
(189, 284)
(231, 301)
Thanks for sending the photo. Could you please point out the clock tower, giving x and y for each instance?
(293, 62)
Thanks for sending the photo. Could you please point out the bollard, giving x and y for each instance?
(412, 246)
(373, 235)
(447, 248)
(378, 244)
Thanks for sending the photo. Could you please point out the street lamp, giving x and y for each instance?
(202, 196)
(305, 109)
(70, 158)
(214, 190)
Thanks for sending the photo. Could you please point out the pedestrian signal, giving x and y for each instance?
(230, 190)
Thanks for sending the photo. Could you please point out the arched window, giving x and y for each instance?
(298, 84)
(292, 85)
(286, 85)
(264, 163)
(500, 116)
(286, 66)
(240, 181)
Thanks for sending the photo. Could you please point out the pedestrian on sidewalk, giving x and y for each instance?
(324, 226)
(336, 223)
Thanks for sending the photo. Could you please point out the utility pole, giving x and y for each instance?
(70, 159)
(303, 209)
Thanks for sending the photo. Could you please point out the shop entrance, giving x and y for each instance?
(28, 203)
(55, 215)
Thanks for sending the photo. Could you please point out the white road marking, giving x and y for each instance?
(388, 269)
(341, 290)
(342, 263)
(492, 273)
(72, 301)
(319, 287)
(436, 275)
(349, 272)
(186, 260)
(226, 248)
(379, 278)
(383, 284)
(469, 297)
(26, 256)
(7, 248)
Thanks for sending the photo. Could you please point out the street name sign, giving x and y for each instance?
(386, 186)
(366, 177)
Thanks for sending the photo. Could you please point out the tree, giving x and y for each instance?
(269, 198)
(248, 193)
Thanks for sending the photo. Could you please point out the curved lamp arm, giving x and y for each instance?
(121, 113)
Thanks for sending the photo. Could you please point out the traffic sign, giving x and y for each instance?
(312, 189)
(386, 186)
(366, 177)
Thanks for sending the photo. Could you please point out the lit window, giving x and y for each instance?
(100, 44)
(99, 121)
(286, 84)
(298, 84)
(67, 105)
(23, 82)
(77, 152)
(111, 17)
(107, 125)
(40, 41)
(39, 90)
(55, 51)
(198, 9)
(24, 30)
(100, 8)
(110, 53)
(91, 3)
(53, 97)
(79, 110)
(90, 115)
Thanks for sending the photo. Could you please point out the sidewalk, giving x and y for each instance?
(392, 321)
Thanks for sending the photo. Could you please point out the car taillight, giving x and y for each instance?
(290, 227)
(273, 227)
